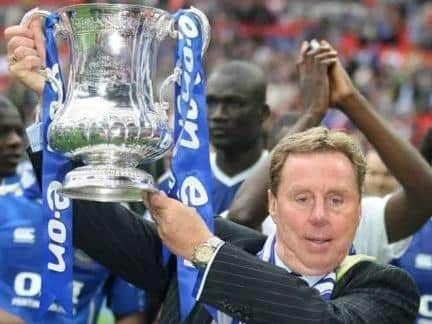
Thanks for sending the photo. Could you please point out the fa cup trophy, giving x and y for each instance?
(109, 118)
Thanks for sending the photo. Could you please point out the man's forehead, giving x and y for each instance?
(332, 165)
(230, 84)
(8, 117)
(318, 157)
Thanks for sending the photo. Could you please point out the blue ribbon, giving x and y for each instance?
(190, 166)
(57, 258)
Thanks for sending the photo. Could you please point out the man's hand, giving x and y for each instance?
(180, 227)
(26, 54)
(341, 86)
(313, 65)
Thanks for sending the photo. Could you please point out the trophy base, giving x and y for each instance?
(106, 183)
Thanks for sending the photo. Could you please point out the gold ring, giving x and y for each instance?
(13, 60)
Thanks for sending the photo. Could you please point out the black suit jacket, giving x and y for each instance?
(238, 283)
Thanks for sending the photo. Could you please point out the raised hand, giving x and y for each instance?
(26, 54)
(341, 87)
(313, 64)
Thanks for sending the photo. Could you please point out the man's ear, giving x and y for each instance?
(360, 212)
(272, 201)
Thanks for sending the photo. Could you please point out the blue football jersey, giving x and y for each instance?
(123, 298)
(23, 177)
(417, 260)
(224, 187)
(20, 265)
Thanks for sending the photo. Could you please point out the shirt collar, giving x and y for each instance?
(310, 280)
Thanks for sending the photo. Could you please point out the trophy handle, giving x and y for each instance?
(46, 73)
(205, 28)
(35, 12)
(174, 77)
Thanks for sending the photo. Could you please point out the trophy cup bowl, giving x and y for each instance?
(109, 118)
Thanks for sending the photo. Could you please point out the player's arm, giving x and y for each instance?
(426, 146)
(409, 207)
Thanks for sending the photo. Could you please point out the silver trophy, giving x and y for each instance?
(110, 119)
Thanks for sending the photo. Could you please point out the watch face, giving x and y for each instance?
(204, 253)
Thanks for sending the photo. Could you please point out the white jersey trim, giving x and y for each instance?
(239, 177)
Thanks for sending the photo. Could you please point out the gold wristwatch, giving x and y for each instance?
(204, 252)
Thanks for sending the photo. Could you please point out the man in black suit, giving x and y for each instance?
(316, 212)
(395, 217)
(316, 180)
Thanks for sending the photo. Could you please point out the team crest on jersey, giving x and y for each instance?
(24, 235)
(423, 261)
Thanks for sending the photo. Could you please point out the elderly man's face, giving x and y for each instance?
(316, 210)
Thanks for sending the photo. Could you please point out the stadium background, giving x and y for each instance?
(385, 44)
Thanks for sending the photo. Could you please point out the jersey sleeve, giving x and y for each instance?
(371, 236)
(124, 299)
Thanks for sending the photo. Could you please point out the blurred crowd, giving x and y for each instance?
(385, 45)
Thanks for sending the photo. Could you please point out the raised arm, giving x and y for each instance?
(406, 210)
(409, 207)
(114, 236)
(426, 146)
(121, 241)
